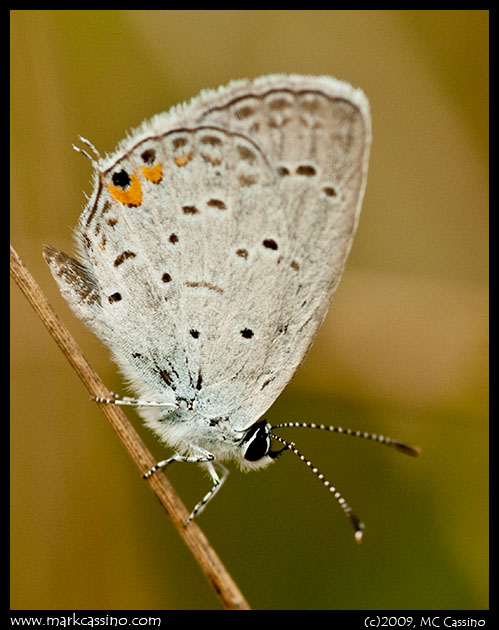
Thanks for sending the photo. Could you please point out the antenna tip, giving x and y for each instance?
(408, 449)
(359, 528)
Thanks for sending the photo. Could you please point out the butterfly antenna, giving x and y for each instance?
(414, 451)
(354, 519)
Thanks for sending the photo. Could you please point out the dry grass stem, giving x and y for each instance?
(211, 565)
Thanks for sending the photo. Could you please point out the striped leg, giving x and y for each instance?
(205, 458)
(196, 459)
(127, 400)
(217, 484)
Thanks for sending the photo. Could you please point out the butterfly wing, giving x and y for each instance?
(216, 236)
(314, 134)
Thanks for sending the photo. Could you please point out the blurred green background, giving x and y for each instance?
(404, 350)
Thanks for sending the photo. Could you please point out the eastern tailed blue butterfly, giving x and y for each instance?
(209, 253)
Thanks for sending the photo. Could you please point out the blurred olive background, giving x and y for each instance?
(404, 350)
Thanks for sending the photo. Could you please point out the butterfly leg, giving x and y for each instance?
(206, 458)
(195, 459)
(127, 400)
(217, 484)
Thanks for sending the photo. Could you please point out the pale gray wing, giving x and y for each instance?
(216, 236)
(315, 135)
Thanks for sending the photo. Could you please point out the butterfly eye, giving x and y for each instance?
(256, 443)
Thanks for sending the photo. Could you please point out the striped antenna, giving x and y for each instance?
(358, 525)
(414, 451)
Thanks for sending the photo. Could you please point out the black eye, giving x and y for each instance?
(256, 444)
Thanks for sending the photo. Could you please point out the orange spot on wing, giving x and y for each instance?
(130, 196)
(182, 160)
(153, 174)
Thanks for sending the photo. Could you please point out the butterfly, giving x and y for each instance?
(208, 256)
